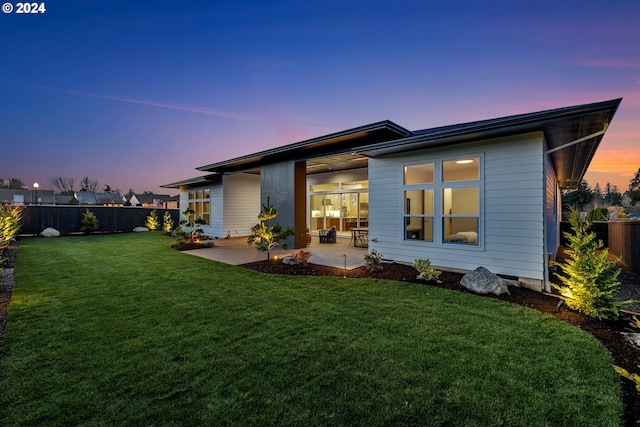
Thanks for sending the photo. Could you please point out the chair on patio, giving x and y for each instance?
(327, 236)
(362, 239)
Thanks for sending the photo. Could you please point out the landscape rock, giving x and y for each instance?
(140, 229)
(289, 260)
(50, 232)
(483, 281)
(633, 338)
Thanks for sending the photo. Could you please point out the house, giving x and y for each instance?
(24, 196)
(99, 199)
(484, 193)
(172, 203)
(149, 200)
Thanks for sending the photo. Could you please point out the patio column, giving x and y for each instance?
(284, 185)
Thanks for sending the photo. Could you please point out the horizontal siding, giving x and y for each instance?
(241, 204)
(512, 208)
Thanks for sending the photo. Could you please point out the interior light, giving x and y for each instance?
(464, 161)
(319, 165)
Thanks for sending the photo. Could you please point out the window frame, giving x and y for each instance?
(438, 187)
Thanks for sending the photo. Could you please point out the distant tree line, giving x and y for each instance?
(587, 198)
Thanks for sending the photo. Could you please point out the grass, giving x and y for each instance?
(122, 330)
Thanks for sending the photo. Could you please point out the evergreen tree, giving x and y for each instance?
(266, 236)
(167, 222)
(634, 187)
(89, 222)
(153, 223)
(578, 197)
(589, 279)
(597, 193)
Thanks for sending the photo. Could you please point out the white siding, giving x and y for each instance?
(241, 206)
(511, 211)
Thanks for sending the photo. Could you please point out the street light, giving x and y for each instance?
(35, 186)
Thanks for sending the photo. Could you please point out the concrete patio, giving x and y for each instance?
(236, 251)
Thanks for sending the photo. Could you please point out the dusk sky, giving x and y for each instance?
(136, 94)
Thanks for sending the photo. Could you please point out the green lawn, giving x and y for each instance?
(122, 330)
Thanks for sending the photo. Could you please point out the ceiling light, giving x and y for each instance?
(464, 162)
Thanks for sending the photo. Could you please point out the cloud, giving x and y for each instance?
(148, 102)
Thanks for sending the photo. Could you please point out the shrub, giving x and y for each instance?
(302, 257)
(589, 279)
(266, 236)
(153, 223)
(167, 222)
(598, 214)
(10, 217)
(190, 229)
(89, 222)
(426, 270)
(628, 375)
(373, 261)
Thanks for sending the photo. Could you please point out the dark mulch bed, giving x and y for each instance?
(624, 354)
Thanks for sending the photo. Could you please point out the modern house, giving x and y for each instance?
(485, 193)
(24, 196)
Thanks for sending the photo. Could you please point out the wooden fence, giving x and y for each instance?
(624, 241)
(68, 219)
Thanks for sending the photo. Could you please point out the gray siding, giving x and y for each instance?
(511, 206)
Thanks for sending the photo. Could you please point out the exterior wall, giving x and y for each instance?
(552, 212)
(241, 206)
(277, 182)
(511, 240)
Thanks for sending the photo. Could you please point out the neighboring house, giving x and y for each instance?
(172, 203)
(634, 215)
(485, 193)
(149, 200)
(100, 199)
(24, 196)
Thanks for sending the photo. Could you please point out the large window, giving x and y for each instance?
(443, 199)
(199, 202)
(343, 205)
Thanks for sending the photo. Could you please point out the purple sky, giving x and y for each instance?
(139, 94)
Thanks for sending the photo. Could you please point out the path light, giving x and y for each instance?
(35, 187)
(345, 261)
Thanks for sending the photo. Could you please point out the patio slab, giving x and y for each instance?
(236, 251)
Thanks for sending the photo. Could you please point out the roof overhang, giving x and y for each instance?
(336, 143)
(195, 182)
(572, 135)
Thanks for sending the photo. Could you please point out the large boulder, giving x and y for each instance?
(483, 281)
(50, 232)
(289, 260)
(140, 229)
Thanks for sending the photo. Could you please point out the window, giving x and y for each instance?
(443, 199)
(199, 202)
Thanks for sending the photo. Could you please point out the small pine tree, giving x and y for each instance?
(89, 222)
(153, 223)
(589, 282)
(266, 236)
(167, 222)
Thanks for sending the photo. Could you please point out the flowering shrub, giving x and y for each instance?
(302, 257)
(373, 261)
(426, 270)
